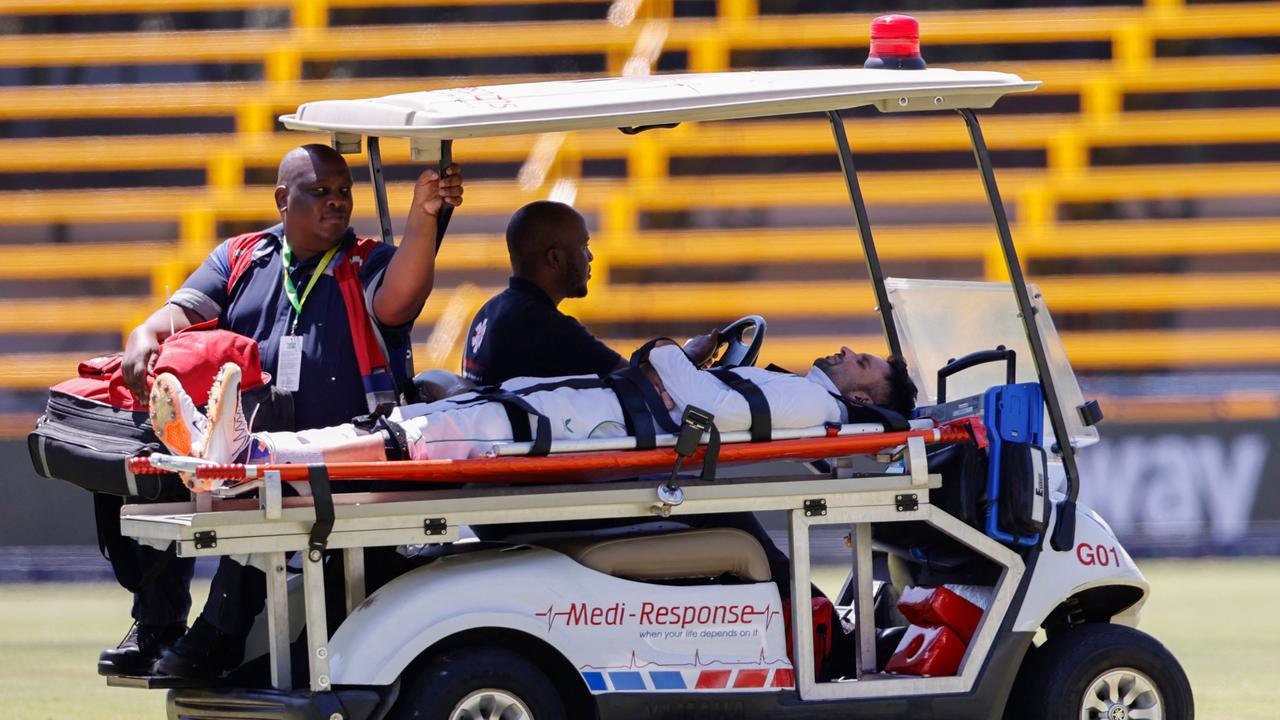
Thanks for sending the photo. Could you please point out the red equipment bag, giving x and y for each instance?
(927, 651)
(92, 423)
(930, 606)
(823, 619)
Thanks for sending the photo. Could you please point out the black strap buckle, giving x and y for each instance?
(693, 425)
(322, 500)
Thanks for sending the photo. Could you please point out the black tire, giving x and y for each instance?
(434, 689)
(1055, 676)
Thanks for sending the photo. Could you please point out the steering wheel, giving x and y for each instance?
(739, 351)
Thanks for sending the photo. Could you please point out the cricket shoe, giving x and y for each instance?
(174, 417)
(227, 437)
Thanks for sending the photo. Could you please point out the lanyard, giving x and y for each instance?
(290, 291)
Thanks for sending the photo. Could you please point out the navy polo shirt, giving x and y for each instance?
(330, 391)
(520, 333)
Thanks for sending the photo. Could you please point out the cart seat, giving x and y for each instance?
(700, 553)
(436, 385)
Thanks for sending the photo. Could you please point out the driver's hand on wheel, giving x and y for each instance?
(700, 348)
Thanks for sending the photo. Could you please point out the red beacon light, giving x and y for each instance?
(895, 44)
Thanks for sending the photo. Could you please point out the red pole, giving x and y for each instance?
(586, 466)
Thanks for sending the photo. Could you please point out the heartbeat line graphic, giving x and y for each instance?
(634, 664)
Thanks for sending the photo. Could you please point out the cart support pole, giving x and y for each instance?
(864, 598)
(379, 189)
(864, 233)
(278, 622)
(446, 210)
(1065, 529)
(801, 610)
(317, 624)
(353, 574)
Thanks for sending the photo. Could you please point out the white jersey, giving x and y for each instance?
(467, 426)
(794, 401)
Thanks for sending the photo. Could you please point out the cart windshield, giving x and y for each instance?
(943, 319)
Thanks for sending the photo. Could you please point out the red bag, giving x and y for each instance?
(823, 619)
(193, 355)
(92, 422)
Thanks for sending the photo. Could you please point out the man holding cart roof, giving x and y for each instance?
(331, 313)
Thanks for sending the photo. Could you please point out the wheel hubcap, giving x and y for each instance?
(490, 704)
(1122, 694)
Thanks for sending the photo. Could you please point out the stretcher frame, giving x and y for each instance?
(273, 525)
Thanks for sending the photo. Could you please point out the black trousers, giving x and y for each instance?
(159, 580)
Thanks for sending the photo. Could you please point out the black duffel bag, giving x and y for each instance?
(92, 423)
(86, 442)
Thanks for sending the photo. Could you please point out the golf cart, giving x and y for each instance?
(965, 539)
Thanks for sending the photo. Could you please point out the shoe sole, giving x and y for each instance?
(225, 391)
(166, 421)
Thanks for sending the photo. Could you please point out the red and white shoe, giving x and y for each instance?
(174, 417)
(227, 436)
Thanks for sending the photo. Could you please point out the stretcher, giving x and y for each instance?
(509, 489)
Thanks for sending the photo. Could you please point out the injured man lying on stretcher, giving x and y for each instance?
(652, 394)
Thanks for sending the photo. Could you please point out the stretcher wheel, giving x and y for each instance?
(739, 352)
(474, 682)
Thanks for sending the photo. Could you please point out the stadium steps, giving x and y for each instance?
(179, 100)
(294, 46)
(657, 249)
(254, 104)
(679, 302)
(767, 138)
(1099, 184)
(81, 260)
(85, 7)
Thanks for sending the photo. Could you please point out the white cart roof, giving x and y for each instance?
(650, 100)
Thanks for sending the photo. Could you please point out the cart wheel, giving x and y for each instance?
(483, 683)
(1101, 672)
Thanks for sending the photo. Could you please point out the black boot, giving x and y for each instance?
(203, 653)
(139, 650)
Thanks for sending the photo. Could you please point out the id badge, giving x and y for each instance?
(289, 363)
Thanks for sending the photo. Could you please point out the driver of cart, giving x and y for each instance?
(577, 407)
(521, 331)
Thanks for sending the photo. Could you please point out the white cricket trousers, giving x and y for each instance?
(457, 428)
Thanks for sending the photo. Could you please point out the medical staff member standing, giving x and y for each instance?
(289, 300)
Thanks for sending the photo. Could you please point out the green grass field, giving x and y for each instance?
(1217, 616)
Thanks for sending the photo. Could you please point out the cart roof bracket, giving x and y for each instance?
(916, 461)
(271, 497)
(424, 150)
(346, 143)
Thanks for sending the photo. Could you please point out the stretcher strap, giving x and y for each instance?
(638, 420)
(657, 409)
(712, 456)
(518, 413)
(322, 496)
(761, 417)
